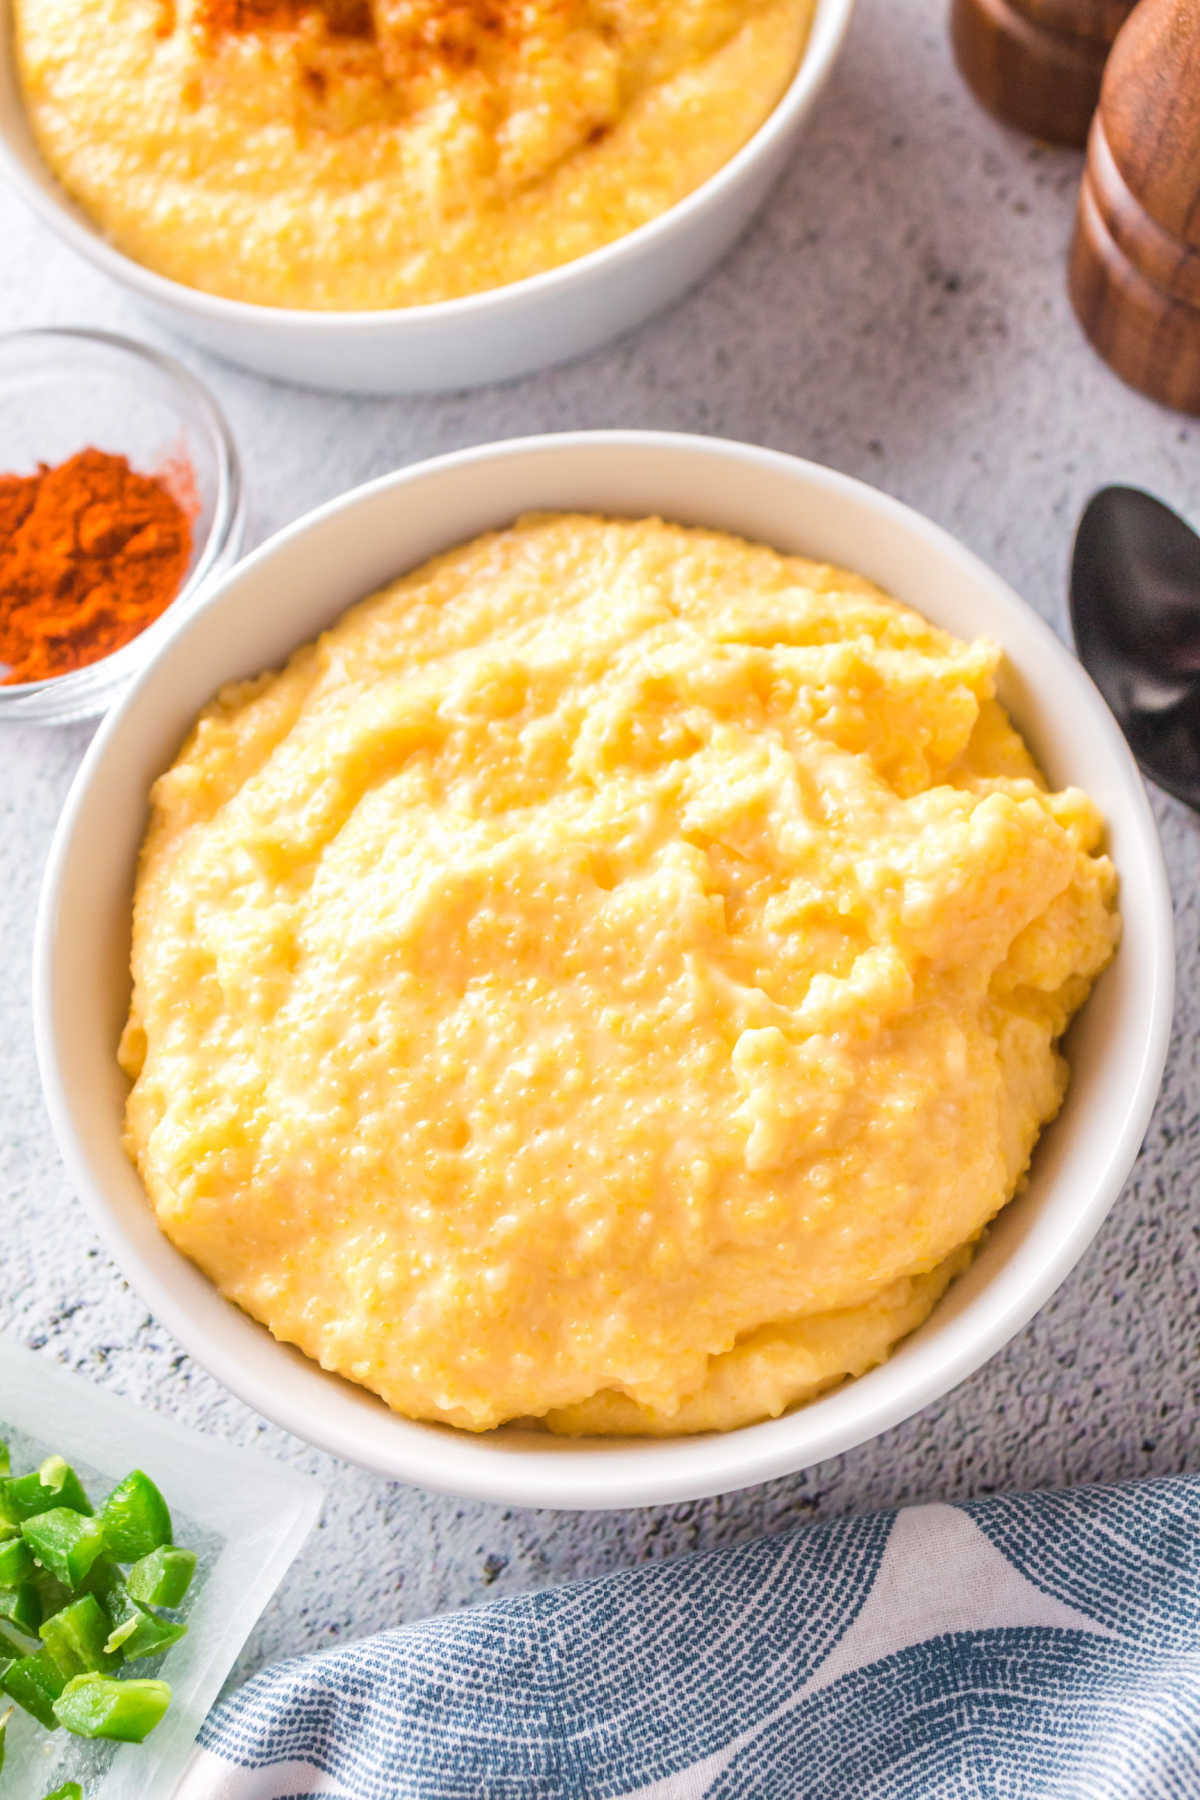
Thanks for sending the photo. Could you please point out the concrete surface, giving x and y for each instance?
(899, 312)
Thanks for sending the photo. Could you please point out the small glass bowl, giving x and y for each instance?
(64, 389)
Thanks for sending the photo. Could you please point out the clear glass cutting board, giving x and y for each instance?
(244, 1516)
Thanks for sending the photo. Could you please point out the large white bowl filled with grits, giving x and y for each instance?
(725, 1187)
(465, 219)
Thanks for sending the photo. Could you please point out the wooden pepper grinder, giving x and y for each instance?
(1135, 257)
(1037, 64)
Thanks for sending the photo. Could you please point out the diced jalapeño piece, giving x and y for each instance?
(75, 1638)
(35, 1682)
(163, 1577)
(93, 1706)
(135, 1517)
(16, 1562)
(54, 1484)
(107, 1582)
(21, 1607)
(52, 1594)
(57, 1474)
(144, 1634)
(65, 1542)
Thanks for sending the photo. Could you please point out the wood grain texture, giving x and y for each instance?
(1037, 64)
(1134, 272)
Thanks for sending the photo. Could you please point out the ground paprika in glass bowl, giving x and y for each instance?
(120, 497)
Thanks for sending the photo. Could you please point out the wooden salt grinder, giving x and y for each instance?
(1037, 64)
(1135, 258)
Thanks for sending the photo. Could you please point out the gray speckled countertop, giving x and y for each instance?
(899, 312)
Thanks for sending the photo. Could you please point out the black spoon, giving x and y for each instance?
(1135, 612)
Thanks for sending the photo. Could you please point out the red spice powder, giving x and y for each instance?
(90, 553)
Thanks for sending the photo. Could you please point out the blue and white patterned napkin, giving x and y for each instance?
(1035, 1647)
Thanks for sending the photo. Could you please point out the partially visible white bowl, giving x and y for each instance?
(299, 582)
(492, 336)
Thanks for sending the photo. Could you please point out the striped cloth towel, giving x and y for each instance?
(1034, 1647)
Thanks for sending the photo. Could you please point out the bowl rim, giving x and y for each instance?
(51, 203)
(221, 541)
(682, 1468)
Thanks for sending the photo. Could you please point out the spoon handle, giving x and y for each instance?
(1135, 259)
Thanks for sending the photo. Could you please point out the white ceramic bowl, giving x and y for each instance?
(299, 582)
(455, 343)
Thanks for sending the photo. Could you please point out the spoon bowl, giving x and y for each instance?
(1135, 613)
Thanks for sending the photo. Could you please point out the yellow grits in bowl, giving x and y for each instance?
(362, 154)
(611, 979)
